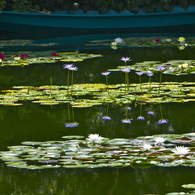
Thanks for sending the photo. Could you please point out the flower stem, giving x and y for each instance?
(160, 81)
(161, 113)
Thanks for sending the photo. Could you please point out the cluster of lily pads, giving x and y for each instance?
(166, 150)
(179, 42)
(97, 94)
(190, 186)
(23, 59)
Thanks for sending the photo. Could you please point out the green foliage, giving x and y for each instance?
(101, 6)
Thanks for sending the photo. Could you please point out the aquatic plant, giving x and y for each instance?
(180, 150)
(140, 79)
(162, 121)
(159, 140)
(125, 59)
(94, 151)
(21, 59)
(2, 56)
(127, 121)
(126, 71)
(150, 112)
(106, 75)
(94, 138)
(146, 146)
(149, 74)
(106, 118)
(161, 69)
(70, 116)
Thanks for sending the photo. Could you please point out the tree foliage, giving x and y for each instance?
(102, 6)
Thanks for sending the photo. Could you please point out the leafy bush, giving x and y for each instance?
(102, 6)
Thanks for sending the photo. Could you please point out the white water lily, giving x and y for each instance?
(159, 140)
(180, 150)
(94, 138)
(146, 146)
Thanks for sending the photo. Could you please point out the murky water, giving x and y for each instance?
(41, 123)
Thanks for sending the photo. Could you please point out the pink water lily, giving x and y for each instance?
(55, 54)
(22, 56)
(2, 56)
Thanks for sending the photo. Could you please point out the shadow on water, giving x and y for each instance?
(106, 181)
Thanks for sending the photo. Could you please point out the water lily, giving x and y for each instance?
(24, 56)
(74, 68)
(140, 80)
(106, 117)
(150, 112)
(159, 140)
(128, 108)
(158, 40)
(146, 146)
(125, 59)
(140, 118)
(2, 56)
(182, 47)
(127, 121)
(150, 74)
(67, 66)
(161, 68)
(17, 57)
(94, 138)
(181, 39)
(55, 54)
(162, 121)
(126, 70)
(72, 125)
(105, 73)
(180, 150)
(113, 45)
(118, 40)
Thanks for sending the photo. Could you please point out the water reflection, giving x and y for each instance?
(43, 123)
(94, 181)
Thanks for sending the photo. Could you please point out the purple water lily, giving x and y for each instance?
(150, 112)
(128, 121)
(68, 66)
(106, 118)
(161, 68)
(126, 69)
(140, 118)
(139, 73)
(125, 59)
(72, 125)
(150, 74)
(162, 121)
(105, 73)
(74, 68)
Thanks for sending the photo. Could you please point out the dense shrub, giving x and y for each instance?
(102, 6)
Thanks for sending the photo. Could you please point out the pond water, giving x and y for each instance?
(35, 122)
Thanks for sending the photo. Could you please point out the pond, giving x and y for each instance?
(48, 113)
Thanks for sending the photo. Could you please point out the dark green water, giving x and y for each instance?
(43, 123)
